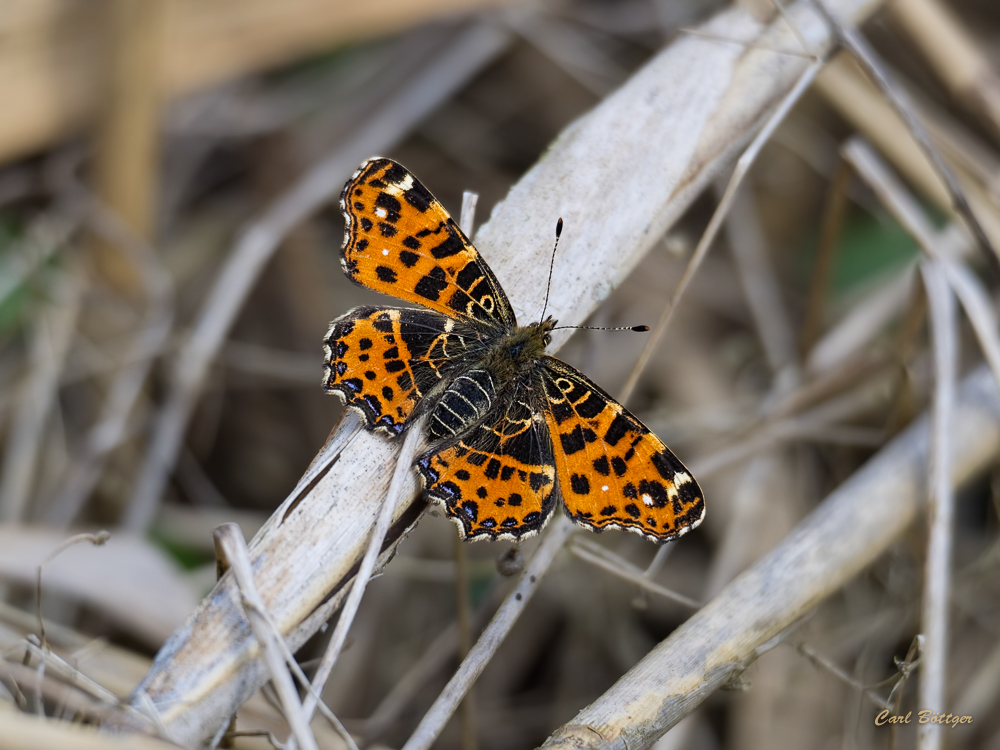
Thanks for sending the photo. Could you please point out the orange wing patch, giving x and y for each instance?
(382, 361)
(497, 480)
(614, 472)
(400, 241)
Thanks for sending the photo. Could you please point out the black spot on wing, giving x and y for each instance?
(431, 285)
(419, 197)
(407, 258)
(575, 440)
(390, 205)
(591, 406)
(451, 246)
(618, 428)
(385, 274)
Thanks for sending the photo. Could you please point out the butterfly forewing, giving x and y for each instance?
(399, 240)
(613, 472)
(384, 360)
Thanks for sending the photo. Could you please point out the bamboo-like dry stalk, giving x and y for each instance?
(127, 161)
(619, 177)
(852, 527)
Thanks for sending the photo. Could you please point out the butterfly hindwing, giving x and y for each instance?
(497, 480)
(613, 472)
(383, 360)
(400, 241)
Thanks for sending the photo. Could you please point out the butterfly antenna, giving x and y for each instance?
(640, 329)
(552, 263)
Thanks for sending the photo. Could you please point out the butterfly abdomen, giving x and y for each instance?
(466, 401)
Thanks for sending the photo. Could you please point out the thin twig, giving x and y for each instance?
(937, 578)
(404, 461)
(440, 652)
(98, 539)
(743, 165)
(605, 559)
(747, 43)
(825, 664)
(231, 542)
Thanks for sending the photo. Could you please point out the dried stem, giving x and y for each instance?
(230, 540)
(937, 578)
(404, 462)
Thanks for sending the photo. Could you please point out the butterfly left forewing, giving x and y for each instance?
(399, 240)
(383, 360)
(613, 472)
(496, 480)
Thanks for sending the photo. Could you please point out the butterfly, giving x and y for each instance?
(510, 428)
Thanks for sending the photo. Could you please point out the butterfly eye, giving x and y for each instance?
(515, 350)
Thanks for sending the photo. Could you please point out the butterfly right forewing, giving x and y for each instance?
(613, 472)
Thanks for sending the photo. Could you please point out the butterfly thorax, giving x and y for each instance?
(506, 360)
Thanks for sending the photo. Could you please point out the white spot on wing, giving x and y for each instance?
(384, 251)
(681, 477)
(381, 213)
(647, 499)
(604, 488)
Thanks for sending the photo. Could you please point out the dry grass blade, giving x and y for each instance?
(839, 539)
(937, 578)
(676, 138)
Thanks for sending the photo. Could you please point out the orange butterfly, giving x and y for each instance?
(509, 424)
